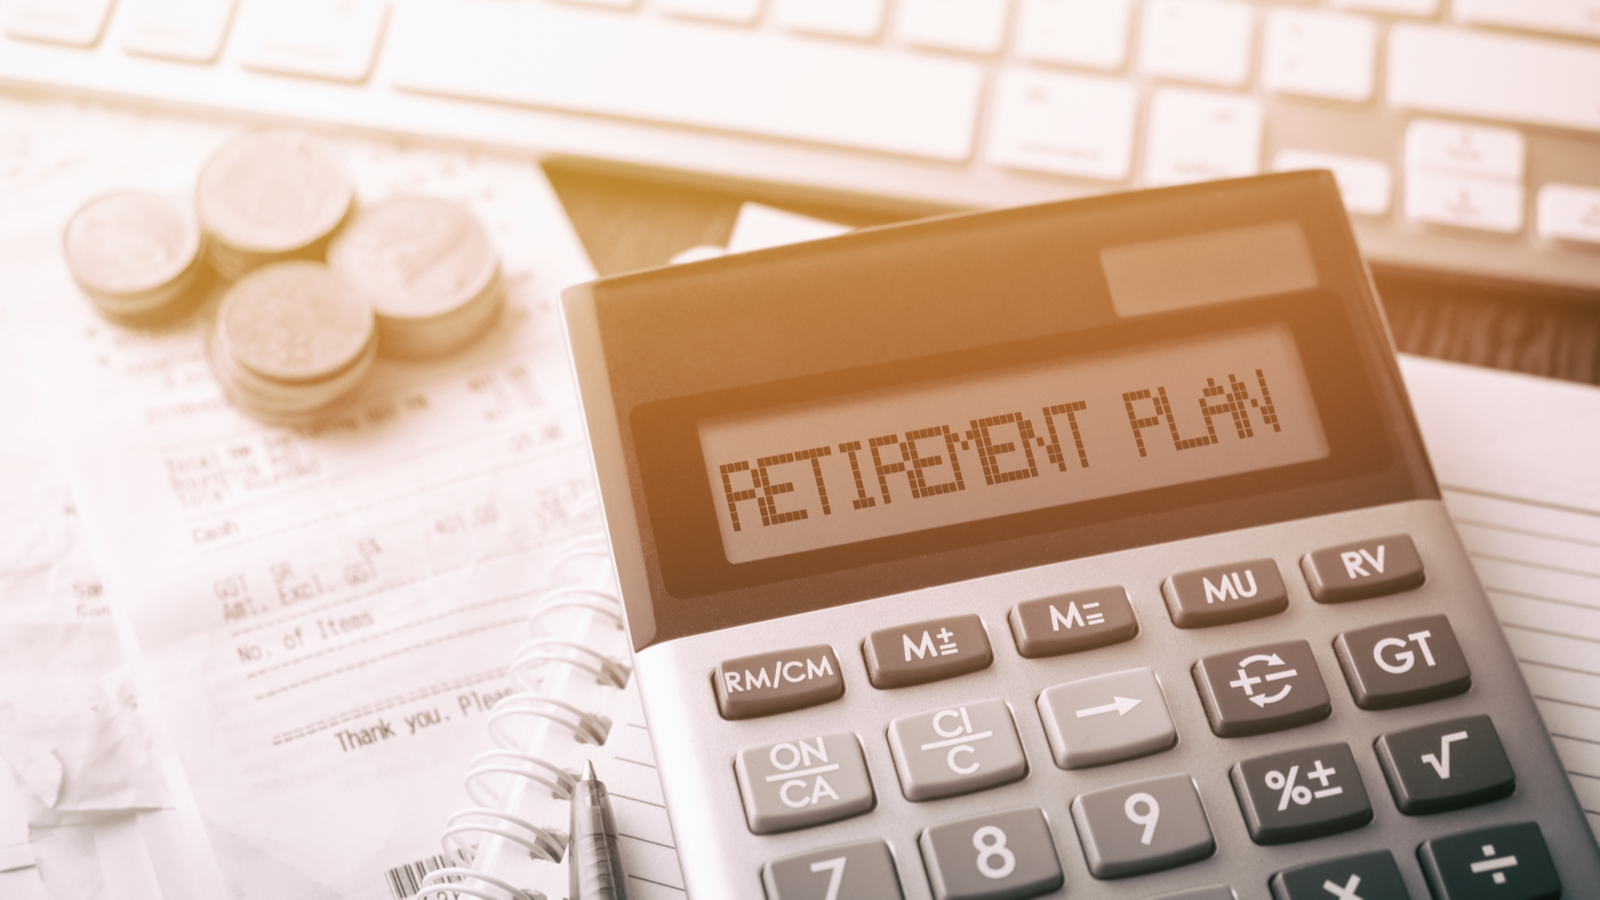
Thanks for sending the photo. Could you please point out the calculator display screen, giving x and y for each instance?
(1050, 433)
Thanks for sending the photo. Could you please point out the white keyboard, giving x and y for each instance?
(1465, 134)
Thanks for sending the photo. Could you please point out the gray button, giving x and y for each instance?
(1216, 892)
(1223, 594)
(956, 750)
(992, 856)
(1364, 569)
(863, 871)
(1072, 623)
(1142, 827)
(768, 683)
(927, 651)
(1107, 718)
(1260, 689)
(1446, 765)
(1401, 663)
(803, 782)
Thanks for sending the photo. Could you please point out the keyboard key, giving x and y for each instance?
(1261, 689)
(1371, 568)
(1461, 201)
(1369, 876)
(1222, 594)
(1142, 827)
(319, 39)
(1569, 212)
(1066, 124)
(1198, 135)
(957, 750)
(186, 30)
(1089, 33)
(686, 74)
(839, 18)
(1422, 8)
(1494, 76)
(1206, 41)
(995, 855)
(972, 26)
(1072, 623)
(1401, 663)
(1217, 892)
(740, 12)
(1107, 718)
(1579, 18)
(1507, 862)
(1364, 184)
(1464, 149)
(861, 871)
(768, 683)
(76, 23)
(804, 782)
(927, 651)
(1301, 794)
(1446, 765)
(1319, 54)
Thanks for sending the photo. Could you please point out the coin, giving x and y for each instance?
(136, 255)
(429, 269)
(294, 322)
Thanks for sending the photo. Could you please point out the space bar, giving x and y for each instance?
(683, 74)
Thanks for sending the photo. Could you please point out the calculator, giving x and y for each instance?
(1087, 549)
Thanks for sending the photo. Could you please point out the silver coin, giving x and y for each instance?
(280, 403)
(129, 244)
(294, 322)
(273, 192)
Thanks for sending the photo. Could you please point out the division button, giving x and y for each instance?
(927, 651)
(1370, 876)
(768, 683)
(1106, 719)
(1508, 862)
(803, 782)
(1074, 622)
(956, 750)
(1401, 663)
(1446, 765)
(860, 871)
(1142, 827)
(1261, 689)
(1301, 794)
(1384, 565)
(992, 856)
(1223, 594)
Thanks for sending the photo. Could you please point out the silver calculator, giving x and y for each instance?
(1087, 549)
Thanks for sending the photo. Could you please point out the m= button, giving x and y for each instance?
(927, 651)
(1223, 594)
(1073, 622)
(1363, 569)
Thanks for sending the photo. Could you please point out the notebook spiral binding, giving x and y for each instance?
(570, 668)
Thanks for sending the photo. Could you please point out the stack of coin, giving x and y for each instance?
(136, 255)
(273, 195)
(292, 341)
(429, 270)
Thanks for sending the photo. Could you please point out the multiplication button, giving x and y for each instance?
(1262, 689)
(1301, 794)
(1509, 862)
(1446, 765)
(1072, 623)
(992, 856)
(1106, 719)
(956, 750)
(1384, 565)
(927, 651)
(803, 782)
(1223, 594)
(1401, 663)
(860, 871)
(1142, 827)
(1369, 876)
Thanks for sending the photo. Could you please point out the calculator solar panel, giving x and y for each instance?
(1085, 549)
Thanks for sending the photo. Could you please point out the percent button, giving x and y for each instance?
(1301, 794)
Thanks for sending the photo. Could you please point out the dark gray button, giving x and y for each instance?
(1106, 719)
(803, 782)
(1401, 663)
(1508, 862)
(1223, 594)
(1261, 689)
(1446, 765)
(957, 750)
(1216, 892)
(992, 856)
(927, 651)
(1363, 569)
(1369, 876)
(768, 683)
(1301, 794)
(862, 871)
(1073, 622)
(1142, 827)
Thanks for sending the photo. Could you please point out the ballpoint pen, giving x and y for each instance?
(593, 864)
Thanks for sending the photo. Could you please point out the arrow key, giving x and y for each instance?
(1106, 719)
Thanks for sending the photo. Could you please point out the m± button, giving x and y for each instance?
(927, 651)
(1401, 663)
(1384, 565)
(1223, 594)
(769, 683)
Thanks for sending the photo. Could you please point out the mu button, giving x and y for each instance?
(927, 651)
(1261, 689)
(1402, 663)
(1223, 594)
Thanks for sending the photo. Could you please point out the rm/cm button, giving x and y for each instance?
(769, 683)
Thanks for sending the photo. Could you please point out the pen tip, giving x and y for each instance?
(588, 771)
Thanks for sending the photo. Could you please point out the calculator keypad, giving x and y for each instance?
(1446, 765)
(1363, 569)
(1219, 595)
(803, 782)
(1508, 862)
(995, 855)
(1401, 663)
(1260, 689)
(860, 871)
(1142, 827)
(1368, 876)
(1301, 794)
(1072, 623)
(1105, 719)
(957, 750)
(927, 651)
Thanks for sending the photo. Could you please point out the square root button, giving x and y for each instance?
(1223, 594)
(803, 782)
(927, 651)
(1446, 765)
(956, 750)
(1401, 663)
(1262, 689)
(1106, 719)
